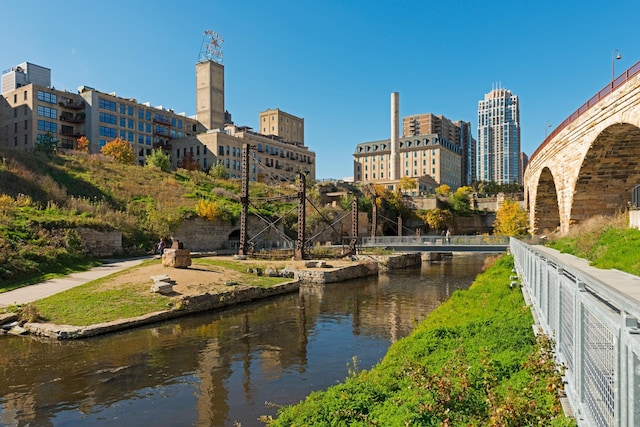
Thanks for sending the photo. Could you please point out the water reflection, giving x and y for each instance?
(215, 369)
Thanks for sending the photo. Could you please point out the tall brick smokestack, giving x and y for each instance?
(395, 136)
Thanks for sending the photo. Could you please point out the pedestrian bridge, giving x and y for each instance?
(437, 243)
(590, 163)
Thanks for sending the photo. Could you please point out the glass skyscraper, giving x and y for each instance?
(498, 148)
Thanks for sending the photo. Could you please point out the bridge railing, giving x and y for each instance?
(434, 240)
(595, 332)
(616, 83)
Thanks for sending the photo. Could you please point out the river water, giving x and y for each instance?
(225, 368)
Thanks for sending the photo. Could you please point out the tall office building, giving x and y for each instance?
(498, 153)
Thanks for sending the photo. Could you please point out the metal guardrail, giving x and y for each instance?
(595, 329)
(434, 240)
(603, 93)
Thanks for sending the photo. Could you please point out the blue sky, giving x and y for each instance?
(335, 62)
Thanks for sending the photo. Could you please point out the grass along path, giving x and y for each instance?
(127, 293)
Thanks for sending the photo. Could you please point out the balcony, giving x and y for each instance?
(163, 145)
(72, 118)
(71, 132)
(71, 104)
(162, 120)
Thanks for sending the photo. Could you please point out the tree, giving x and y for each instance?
(83, 144)
(443, 190)
(407, 184)
(159, 159)
(437, 219)
(511, 220)
(460, 202)
(47, 143)
(218, 171)
(189, 163)
(121, 151)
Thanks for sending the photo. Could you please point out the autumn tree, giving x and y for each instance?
(443, 190)
(407, 184)
(437, 219)
(120, 150)
(159, 159)
(83, 144)
(189, 163)
(511, 220)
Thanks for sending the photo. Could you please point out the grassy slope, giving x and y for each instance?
(472, 362)
(606, 243)
(41, 197)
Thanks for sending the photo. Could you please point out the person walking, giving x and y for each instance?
(160, 247)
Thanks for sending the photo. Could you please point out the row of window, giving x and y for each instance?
(51, 98)
(143, 114)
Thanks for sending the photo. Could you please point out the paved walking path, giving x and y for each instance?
(35, 292)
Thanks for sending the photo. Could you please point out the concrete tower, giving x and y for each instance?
(395, 136)
(210, 94)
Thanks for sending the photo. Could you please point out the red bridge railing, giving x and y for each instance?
(608, 89)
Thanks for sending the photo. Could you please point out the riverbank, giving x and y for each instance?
(204, 286)
(474, 361)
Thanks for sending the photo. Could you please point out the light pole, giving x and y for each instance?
(545, 129)
(613, 60)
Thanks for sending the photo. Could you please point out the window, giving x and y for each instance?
(51, 98)
(25, 95)
(107, 118)
(108, 132)
(140, 113)
(47, 126)
(123, 122)
(52, 113)
(140, 126)
(130, 124)
(106, 104)
(123, 109)
(130, 110)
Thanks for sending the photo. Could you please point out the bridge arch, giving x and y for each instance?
(546, 207)
(589, 164)
(610, 169)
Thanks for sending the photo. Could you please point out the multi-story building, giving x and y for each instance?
(429, 152)
(498, 153)
(429, 159)
(468, 153)
(31, 110)
(286, 126)
(271, 158)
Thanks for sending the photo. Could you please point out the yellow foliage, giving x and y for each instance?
(83, 144)
(511, 220)
(443, 190)
(120, 150)
(209, 210)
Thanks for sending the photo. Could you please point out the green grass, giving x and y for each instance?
(96, 302)
(58, 268)
(473, 362)
(611, 247)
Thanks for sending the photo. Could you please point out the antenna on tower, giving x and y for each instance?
(211, 48)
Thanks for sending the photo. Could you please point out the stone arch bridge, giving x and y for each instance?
(590, 163)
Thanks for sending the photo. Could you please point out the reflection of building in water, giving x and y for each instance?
(211, 406)
(18, 409)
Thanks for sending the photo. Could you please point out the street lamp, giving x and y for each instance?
(545, 129)
(613, 59)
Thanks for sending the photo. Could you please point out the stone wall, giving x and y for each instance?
(101, 243)
(334, 275)
(202, 235)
